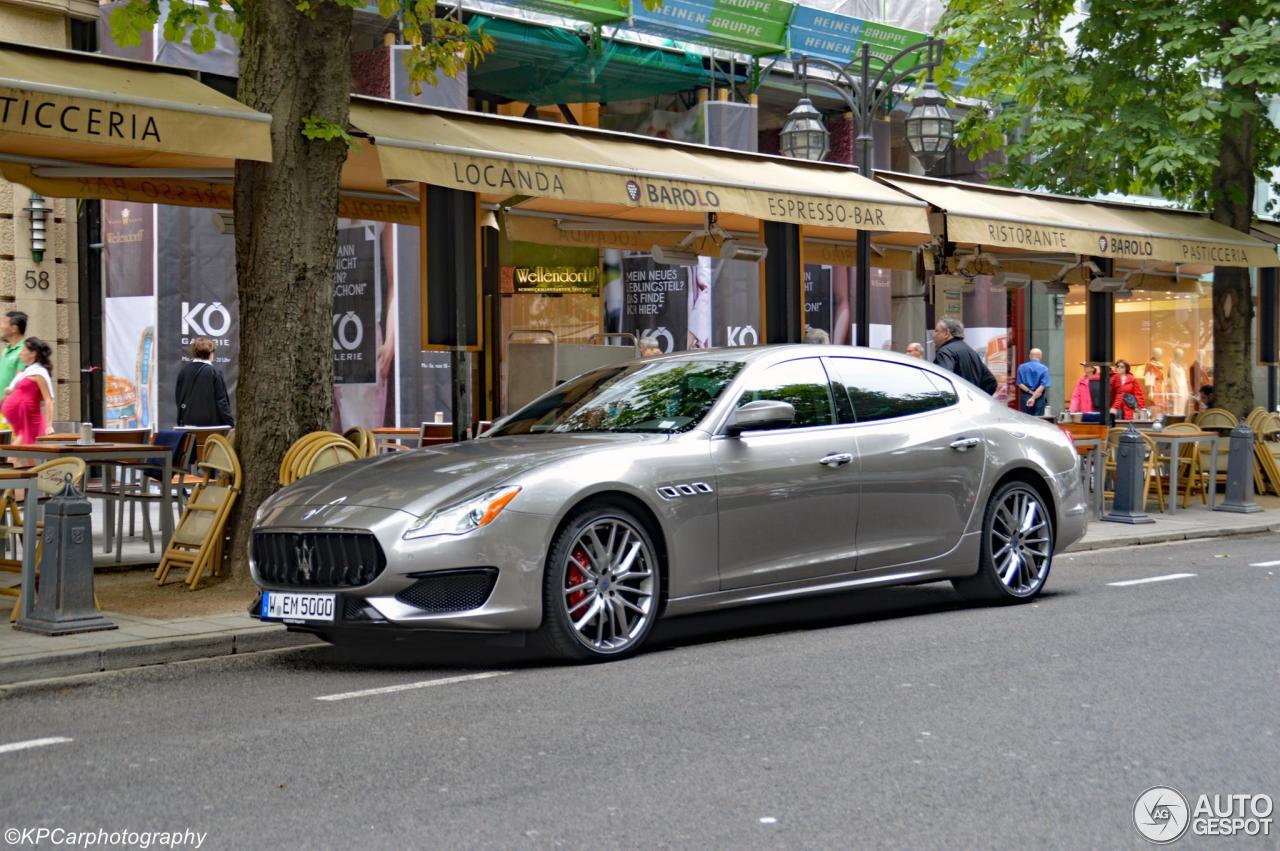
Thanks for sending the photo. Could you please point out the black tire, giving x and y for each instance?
(569, 566)
(1032, 547)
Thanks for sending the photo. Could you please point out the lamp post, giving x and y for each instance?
(930, 129)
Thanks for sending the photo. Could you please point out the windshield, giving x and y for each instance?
(662, 397)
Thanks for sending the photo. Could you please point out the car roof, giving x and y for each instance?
(751, 354)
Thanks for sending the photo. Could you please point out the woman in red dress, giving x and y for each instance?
(28, 403)
(1123, 382)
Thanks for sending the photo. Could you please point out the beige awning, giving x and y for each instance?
(599, 234)
(501, 157)
(91, 109)
(1266, 231)
(1050, 224)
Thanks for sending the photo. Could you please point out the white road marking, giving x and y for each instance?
(34, 743)
(1150, 579)
(1265, 564)
(444, 681)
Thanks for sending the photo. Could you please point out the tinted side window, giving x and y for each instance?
(880, 390)
(801, 383)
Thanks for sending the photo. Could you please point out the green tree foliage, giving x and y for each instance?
(1164, 95)
(1134, 97)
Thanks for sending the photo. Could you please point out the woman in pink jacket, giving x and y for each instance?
(1082, 397)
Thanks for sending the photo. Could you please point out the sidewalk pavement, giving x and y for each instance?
(26, 658)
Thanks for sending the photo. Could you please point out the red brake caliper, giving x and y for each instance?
(576, 575)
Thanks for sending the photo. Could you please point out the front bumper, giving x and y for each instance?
(513, 549)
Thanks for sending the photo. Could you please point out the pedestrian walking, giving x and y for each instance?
(1086, 398)
(1034, 382)
(13, 330)
(1126, 393)
(648, 347)
(201, 392)
(28, 404)
(915, 350)
(954, 354)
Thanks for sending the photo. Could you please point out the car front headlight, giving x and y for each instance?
(465, 516)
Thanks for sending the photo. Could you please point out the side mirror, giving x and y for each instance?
(760, 415)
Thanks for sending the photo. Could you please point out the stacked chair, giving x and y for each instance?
(318, 450)
(1266, 450)
(197, 541)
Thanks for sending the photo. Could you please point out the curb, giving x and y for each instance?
(146, 652)
(1172, 536)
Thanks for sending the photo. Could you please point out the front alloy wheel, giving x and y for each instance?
(1017, 548)
(601, 586)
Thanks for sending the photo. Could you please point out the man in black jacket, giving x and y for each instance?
(201, 393)
(953, 353)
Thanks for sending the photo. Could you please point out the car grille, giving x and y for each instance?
(451, 591)
(318, 559)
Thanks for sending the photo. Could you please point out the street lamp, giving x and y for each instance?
(864, 94)
(804, 136)
(930, 127)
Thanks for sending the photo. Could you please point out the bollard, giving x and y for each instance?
(64, 597)
(1239, 496)
(1128, 505)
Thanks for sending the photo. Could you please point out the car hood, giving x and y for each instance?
(425, 479)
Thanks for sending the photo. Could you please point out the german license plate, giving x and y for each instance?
(286, 606)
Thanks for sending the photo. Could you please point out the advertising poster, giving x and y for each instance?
(986, 312)
(655, 301)
(363, 339)
(128, 245)
(817, 297)
(131, 361)
(197, 298)
(735, 294)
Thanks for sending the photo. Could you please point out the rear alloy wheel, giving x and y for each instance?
(601, 586)
(1017, 548)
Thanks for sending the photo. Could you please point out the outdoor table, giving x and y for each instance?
(1174, 441)
(99, 453)
(24, 479)
(385, 437)
(1091, 448)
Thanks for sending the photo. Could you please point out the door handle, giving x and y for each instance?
(964, 443)
(836, 459)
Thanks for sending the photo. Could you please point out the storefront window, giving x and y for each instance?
(1167, 336)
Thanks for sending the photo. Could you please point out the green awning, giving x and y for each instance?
(544, 65)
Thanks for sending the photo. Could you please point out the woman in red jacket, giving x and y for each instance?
(1126, 392)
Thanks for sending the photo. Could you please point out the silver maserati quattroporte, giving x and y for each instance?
(681, 484)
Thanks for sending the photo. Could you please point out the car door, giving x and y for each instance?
(921, 460)
(788, 497)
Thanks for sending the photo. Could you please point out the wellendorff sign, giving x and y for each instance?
(76, 120)
(556, 279)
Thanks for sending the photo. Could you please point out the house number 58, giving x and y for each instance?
(34, 282)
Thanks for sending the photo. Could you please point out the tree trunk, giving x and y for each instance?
(291, 66)
(1233, 180)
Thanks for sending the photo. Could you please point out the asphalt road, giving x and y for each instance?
(899, 718)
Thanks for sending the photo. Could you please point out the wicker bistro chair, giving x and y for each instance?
(51, 476)
(1193, 476)
(1221, 421)
(322, 454)
(1150, 467)
(1266, 452)
(288, 464)
(362, 439)
(198, 538)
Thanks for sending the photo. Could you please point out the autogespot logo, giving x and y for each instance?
(1161, 814)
